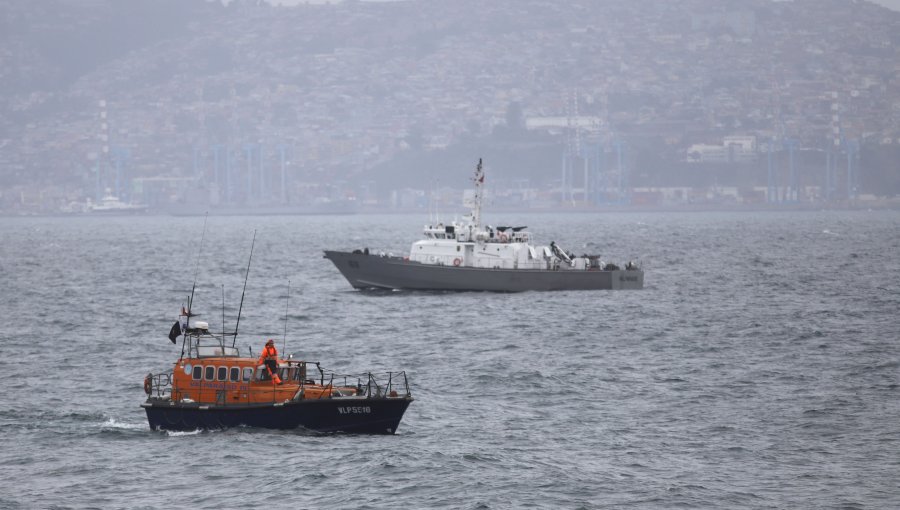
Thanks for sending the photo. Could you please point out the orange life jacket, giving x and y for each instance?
(269, 352)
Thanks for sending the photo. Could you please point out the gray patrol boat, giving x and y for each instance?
(465, 256)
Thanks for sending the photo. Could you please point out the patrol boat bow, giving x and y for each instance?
(468, 256)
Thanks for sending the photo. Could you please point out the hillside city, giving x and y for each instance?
(186, 106)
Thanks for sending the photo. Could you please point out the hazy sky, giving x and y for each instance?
(891, 4)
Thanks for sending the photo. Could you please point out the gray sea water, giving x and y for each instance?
(759, 367)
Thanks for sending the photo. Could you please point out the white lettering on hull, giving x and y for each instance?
(355, 410)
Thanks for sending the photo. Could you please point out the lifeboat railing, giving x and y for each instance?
(160, 385)
(372, 385)
(368, 385)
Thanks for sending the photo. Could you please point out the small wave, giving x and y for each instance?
(181, 433)
(810, 334)
(479, 457)
(74, 416)
(112, 423)
(889, 365)
(818, 412)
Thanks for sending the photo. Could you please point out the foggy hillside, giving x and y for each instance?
(403, 93)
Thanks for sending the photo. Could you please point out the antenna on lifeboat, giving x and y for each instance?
(187, 322)
(246, 276)
(479, 190)
(286, 301)
(197, 269)
(223, 315)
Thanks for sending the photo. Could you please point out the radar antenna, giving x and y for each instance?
(246, 277)
(479, 193)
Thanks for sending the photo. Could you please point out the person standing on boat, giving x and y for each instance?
(269, 358)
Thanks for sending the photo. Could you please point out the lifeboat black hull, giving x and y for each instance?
(354, 416)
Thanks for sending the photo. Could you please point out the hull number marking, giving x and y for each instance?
(355, 410)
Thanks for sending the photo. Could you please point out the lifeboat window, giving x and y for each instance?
(222, 374)
(234, 374)
(210, 373)
(248, 373)
(198, 372)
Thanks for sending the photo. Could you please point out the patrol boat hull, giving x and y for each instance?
(386, 272)
(348, 415)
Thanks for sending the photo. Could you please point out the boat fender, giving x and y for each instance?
(148, 383)
(503, 238)
(457, 261)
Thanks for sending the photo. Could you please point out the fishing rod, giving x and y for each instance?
(286, 301)
(246, 277)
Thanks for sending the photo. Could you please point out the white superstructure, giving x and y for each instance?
(467, 244)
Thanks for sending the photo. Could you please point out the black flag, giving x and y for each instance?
(175, 331)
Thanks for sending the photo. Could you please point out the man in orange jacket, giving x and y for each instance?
(269, 358)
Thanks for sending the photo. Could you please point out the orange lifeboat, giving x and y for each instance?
(213, 386)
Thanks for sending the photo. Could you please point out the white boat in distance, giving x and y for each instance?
(110, 204)
(465, 256)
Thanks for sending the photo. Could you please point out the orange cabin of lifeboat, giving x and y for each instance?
(223, 379)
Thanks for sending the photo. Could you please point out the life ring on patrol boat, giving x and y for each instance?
(504, 238)
(148, 384)
(457, 261)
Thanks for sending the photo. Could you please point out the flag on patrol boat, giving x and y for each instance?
(479, 173)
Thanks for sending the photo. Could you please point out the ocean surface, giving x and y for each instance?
(758, 368)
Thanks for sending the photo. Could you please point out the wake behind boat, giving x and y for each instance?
(466, 256)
